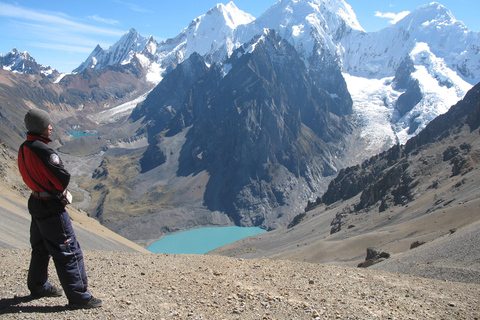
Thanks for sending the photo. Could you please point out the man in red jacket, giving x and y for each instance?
(51, 232)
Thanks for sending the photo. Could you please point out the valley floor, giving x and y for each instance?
(161, 286)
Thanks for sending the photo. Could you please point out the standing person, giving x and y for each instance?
(51, 232)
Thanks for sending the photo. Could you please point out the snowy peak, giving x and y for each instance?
(232, 16)
(448, 38)
(22, 62)
(127, 47)
(17, 61)
(209, 32)
(340, 9)
(378, 54)
(430, 14)
(204, 35)
(329, 13)
(312, 26)
(130, 42)
(121, 53)
(217, 19)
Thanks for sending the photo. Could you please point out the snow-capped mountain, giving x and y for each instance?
(312, 27)
(445, 66)
(121, 53)
(205, 35)
(306, 24)
(379, 54)
(213, 30)
(225, 27)
(444, 52)
(22, 62)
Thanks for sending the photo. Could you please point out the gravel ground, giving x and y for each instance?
(161, 286)
(453, 257)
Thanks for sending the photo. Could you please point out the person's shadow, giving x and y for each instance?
(13, 305)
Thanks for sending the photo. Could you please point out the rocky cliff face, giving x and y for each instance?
(18, 93)
(264, 118)
(163, 102)
(412, 94)
(92, 90)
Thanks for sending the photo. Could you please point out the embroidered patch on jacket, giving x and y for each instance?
(54, 159)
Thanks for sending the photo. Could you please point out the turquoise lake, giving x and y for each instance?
(202, 240)
(79, 134)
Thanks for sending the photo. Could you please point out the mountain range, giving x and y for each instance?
(243, 121)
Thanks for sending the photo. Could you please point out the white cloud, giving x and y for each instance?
(394, 17)
(133, 6)
(55, 29)
(103, 20)
(53, 19)
(62, 47)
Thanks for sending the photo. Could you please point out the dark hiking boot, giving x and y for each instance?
(91, 303)
(50, 292)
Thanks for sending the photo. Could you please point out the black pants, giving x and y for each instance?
(52, 234)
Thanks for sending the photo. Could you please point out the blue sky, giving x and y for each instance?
(62, 34)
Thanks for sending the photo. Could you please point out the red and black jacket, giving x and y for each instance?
(38, 162)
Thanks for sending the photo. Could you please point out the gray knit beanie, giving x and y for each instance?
(37, 120)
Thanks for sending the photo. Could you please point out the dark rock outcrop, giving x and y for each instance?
(373, 256)
(403, 81)
(153, 156)
(298, 218)
(416, 244)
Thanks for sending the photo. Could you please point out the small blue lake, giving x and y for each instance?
(79, 134)
(202, 240)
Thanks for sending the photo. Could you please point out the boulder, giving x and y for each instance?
(373, 256)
